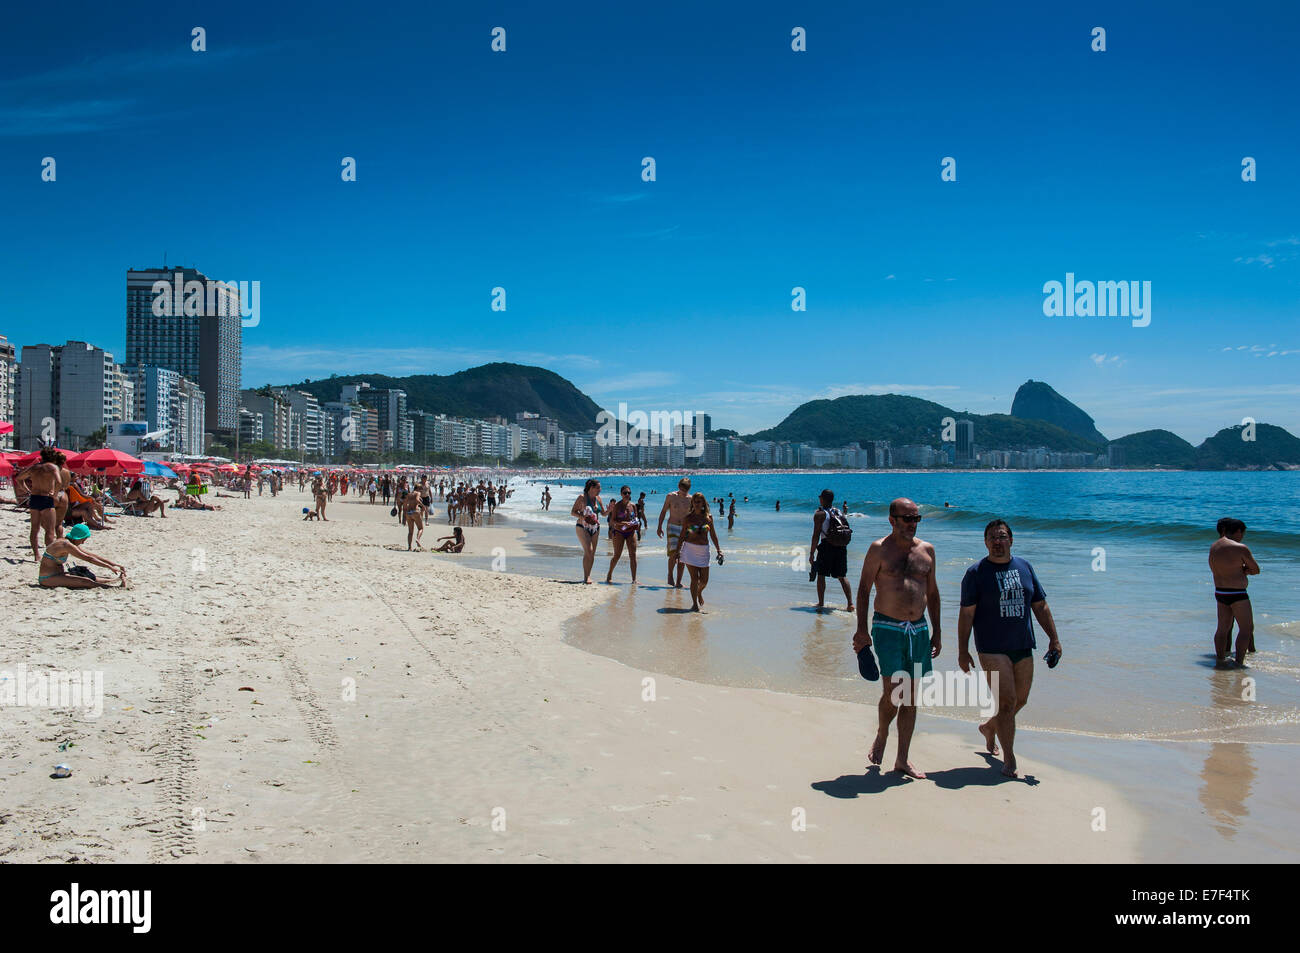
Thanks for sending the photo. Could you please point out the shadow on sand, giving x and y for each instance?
(876, 781)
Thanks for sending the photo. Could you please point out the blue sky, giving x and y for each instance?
(775, 169)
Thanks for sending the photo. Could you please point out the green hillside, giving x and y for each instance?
(912, 420)
(491, 390)
(1227, 448)
(1156, 448)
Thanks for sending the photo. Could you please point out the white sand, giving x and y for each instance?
(466, 703)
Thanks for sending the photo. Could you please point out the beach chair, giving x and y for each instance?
(126, 509)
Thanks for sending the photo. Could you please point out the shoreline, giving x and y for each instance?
(468, 711)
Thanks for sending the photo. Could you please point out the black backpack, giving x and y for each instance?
(837, 528)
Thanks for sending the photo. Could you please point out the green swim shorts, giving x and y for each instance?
(902, 648)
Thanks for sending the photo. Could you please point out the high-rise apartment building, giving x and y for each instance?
(66, 393)
(8, 384)
(276, 411)
(180, 319)
(305, 426)
(965, 455)
(171, 405)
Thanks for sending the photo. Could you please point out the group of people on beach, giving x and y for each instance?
(900, 635)
(412, 497)
(63, 508)
(690, 530)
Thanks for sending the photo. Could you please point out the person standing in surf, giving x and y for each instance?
(624, 525)
(829, 552)
(676, 505)
(693, 547)
(1230, 563)
(587, 509)
(997, 595)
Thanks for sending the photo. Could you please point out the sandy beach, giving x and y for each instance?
(405, 708)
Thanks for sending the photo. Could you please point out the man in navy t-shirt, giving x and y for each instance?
(997, 596)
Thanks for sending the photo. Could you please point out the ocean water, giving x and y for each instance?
(1137, 635)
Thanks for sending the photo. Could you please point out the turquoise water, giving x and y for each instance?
(1137, 635)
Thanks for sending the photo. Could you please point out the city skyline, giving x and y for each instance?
(775, 169)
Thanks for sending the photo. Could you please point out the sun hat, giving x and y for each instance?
(79, 532)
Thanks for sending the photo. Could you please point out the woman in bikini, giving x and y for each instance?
(586, 510)
(53, 575)
(623, 526)
(411, 509)
(693, 547)
(144, 503)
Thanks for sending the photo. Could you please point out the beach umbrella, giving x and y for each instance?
(6, 427)
(106, 461)
(154, 468)
(27, 459)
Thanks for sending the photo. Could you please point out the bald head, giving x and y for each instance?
(904, 515)
(903, 507)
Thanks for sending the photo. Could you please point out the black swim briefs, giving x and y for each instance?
(1228, 596)
(38, 501)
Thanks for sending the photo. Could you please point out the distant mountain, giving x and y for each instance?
(1038, 401)
(491, 390)
(911, 420)
(1156, 448)
(1226, 449)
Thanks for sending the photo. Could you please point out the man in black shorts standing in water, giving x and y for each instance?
(997, 594)
(829, 552)
(1230, 563)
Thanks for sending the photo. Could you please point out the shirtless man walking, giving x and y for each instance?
(43, 482)
(902, 570)
(676, 505)
(1230, 563)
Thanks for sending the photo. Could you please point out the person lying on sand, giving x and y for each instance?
(52, 573)
(187, 502)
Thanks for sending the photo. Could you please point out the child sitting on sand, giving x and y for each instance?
(455, 543)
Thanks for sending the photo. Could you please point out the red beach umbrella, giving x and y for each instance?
(27, 459)
(106, 461)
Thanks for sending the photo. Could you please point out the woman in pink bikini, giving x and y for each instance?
(623, 525)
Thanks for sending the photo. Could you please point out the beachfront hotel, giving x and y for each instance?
(205, 348)
(76, 385)
(8, 373)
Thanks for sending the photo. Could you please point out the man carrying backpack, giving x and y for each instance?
(829, 552)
